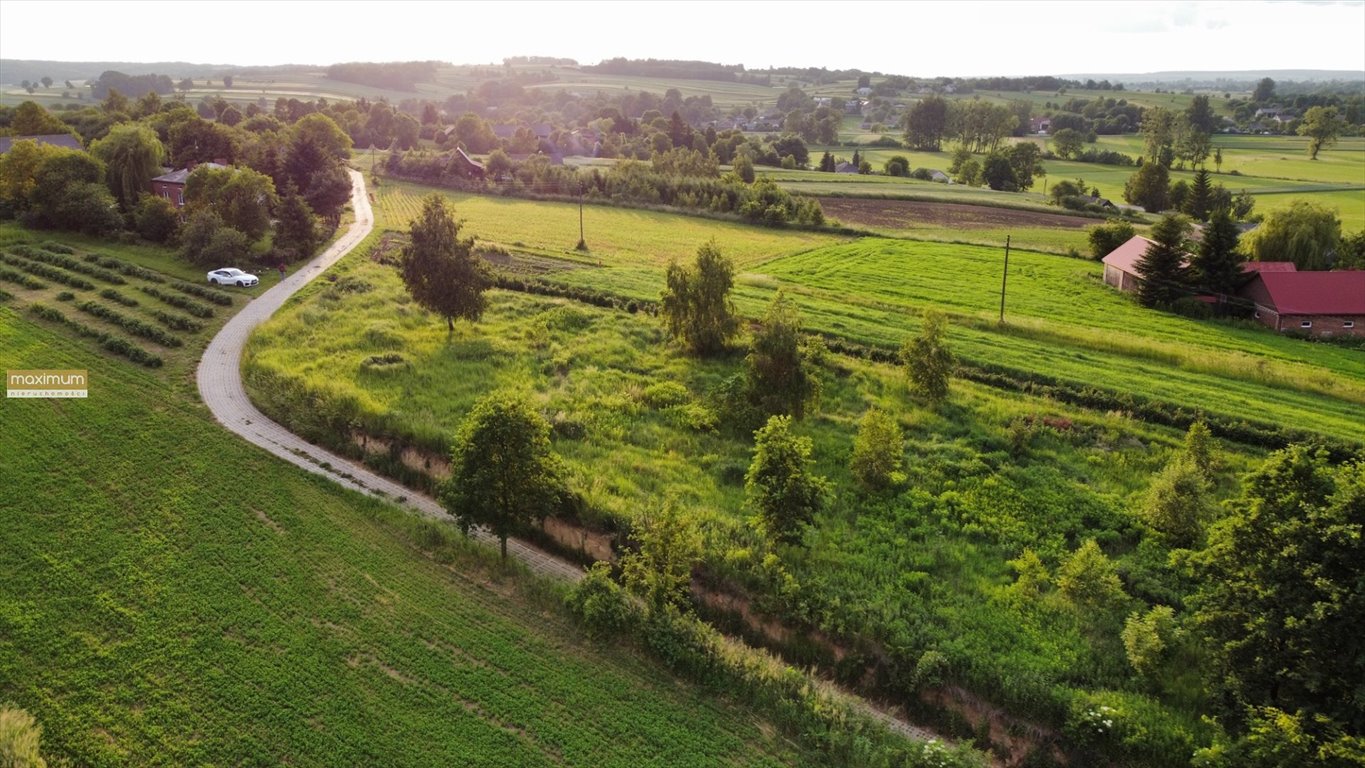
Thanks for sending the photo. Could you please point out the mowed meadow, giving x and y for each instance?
(174, 596)
(1061, 320)
(921, 569)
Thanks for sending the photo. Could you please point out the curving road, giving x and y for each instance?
(220, 385)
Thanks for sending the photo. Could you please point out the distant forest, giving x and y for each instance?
(399, 75)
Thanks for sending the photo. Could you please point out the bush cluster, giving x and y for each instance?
(577, 293)
(130, 324)
(66, 262)
(123, 267)
(51, 273)
(176, 322)
(57, 248)
(180, 302)
(217, 297)
(19, 278)
(113, 295)
(116, 344)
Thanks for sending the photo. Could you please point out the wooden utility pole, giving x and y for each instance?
(582, 243)
(1004, 277)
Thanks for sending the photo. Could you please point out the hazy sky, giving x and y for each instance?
(913, 38)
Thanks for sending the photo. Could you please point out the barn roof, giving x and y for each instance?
(1126, 256)
(1315, 293)
(182, 175)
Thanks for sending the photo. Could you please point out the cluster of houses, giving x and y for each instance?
(1278, 295)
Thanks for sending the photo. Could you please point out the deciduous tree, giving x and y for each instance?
(779, 379)
(1104, 238)
(659, 571)
(132, 156)
(1322, 126)
(877, 451)
(780, 486)
(1089, 579)
(440, 269)
(1305, 233)
(696, 302)
(1067, 143)
(503, 475)
(927, 360)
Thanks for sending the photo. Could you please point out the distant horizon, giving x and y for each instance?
(922, 39)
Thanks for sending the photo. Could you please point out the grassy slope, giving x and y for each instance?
(174, 596)
(915, 569)
(1063, 320)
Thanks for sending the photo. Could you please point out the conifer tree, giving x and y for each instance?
(1162, 268)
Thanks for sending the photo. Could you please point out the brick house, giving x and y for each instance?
(172, 185)
(1312, 303)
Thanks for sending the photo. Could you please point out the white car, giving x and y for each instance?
(232, 276)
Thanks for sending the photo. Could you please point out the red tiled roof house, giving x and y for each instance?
(1314, 303)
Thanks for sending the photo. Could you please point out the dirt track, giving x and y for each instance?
(914, 214)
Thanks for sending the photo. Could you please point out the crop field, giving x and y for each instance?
(915, 570)
(174, 596)
(959, 223)
(615, 236)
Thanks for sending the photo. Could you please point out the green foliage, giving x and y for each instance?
(1275, 738)
(197, 234)
(43, 270)
(1147, 638)
(927, 359)
(1068, 142)
(130, 324)
(779, 378)
(1149, 187)
(878, 450)
(1199, 204)
(1104, 238)
(241, 197)
(659, 570)
(1279, 599)
(1322, 126)
(781, 486)
(1217, 265)
(156, 219)
(1032, 578)
(696, 305)
(116, 344)
(1089, 579)
(503, 473)
(1305, 233)
(896, 165)
(1177, 503)
(1165, 276)
(1199, 449)
(439, 268)
(132, 155)
(227, 246)
(600, 603)
(296, 230)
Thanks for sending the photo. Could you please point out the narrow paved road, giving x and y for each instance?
(220, 385)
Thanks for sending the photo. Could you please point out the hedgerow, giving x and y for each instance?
(43, 270)
(116, 344)
(176, 322)
(66, 262)
(21, 279)
(118, 265)
(113, 295)
(217, 297)
(180, 302)
(130, 324)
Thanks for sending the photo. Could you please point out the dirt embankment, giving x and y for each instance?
(914, 214)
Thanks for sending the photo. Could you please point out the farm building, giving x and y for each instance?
(1314, 303)
(172, 185)
(466, 165)
(1040, 125)
(52, 139)
(1120, 265)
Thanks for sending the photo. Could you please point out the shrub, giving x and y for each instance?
(877, 451)
(600, 603)
(69, 263)
(780, 486)
(927, 359)
(132, 325)
(113, 295)
(115, 344)
(180, 302)
(51, 273)
(156, 219)
(1088, 578)
(66, 296)
(21, 279)
(215, 296)
(664, 394)
(176, 322)
(1108, 236)
(123, 267)
(58, 248)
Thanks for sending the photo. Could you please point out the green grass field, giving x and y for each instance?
(923, 568)
(174, 596)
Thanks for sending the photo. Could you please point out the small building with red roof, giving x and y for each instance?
(1312, 303)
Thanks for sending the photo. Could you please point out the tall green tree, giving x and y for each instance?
(1282, 590)
(779, 379)
(1217, 266)
(1265, 91)
(1089, 579)
(296, 229)
(927, 359)
(1068, 142)
(1200, 116)
(1149, 187)
(1199, 203)
(1104, 238)
(1305, 233)
(132, 156)
(241, 196)
(926, 124)
(1322, 126)
(1165, 276)
(696, 302)
(781, 487)
(1158, 135)
(503, 475)
(440, 269)
(1177, 503)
